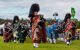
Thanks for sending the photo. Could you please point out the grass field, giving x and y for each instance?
(28, 46)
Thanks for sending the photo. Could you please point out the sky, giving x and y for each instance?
(10, 8)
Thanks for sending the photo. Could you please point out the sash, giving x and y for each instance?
(35, 22)
(68, 27)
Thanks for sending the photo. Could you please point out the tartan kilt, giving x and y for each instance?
(15, 34)
(7, 36)
(36, 36)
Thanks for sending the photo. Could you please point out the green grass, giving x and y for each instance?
(28, 46)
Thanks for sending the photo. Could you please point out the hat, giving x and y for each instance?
(34, 8)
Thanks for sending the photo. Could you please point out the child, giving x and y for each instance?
(50, 34)
(55, 31)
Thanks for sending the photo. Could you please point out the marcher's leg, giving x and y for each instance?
(54, 37)
(14, 39)
(14, 36)
(50, 37)
(35, 40)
